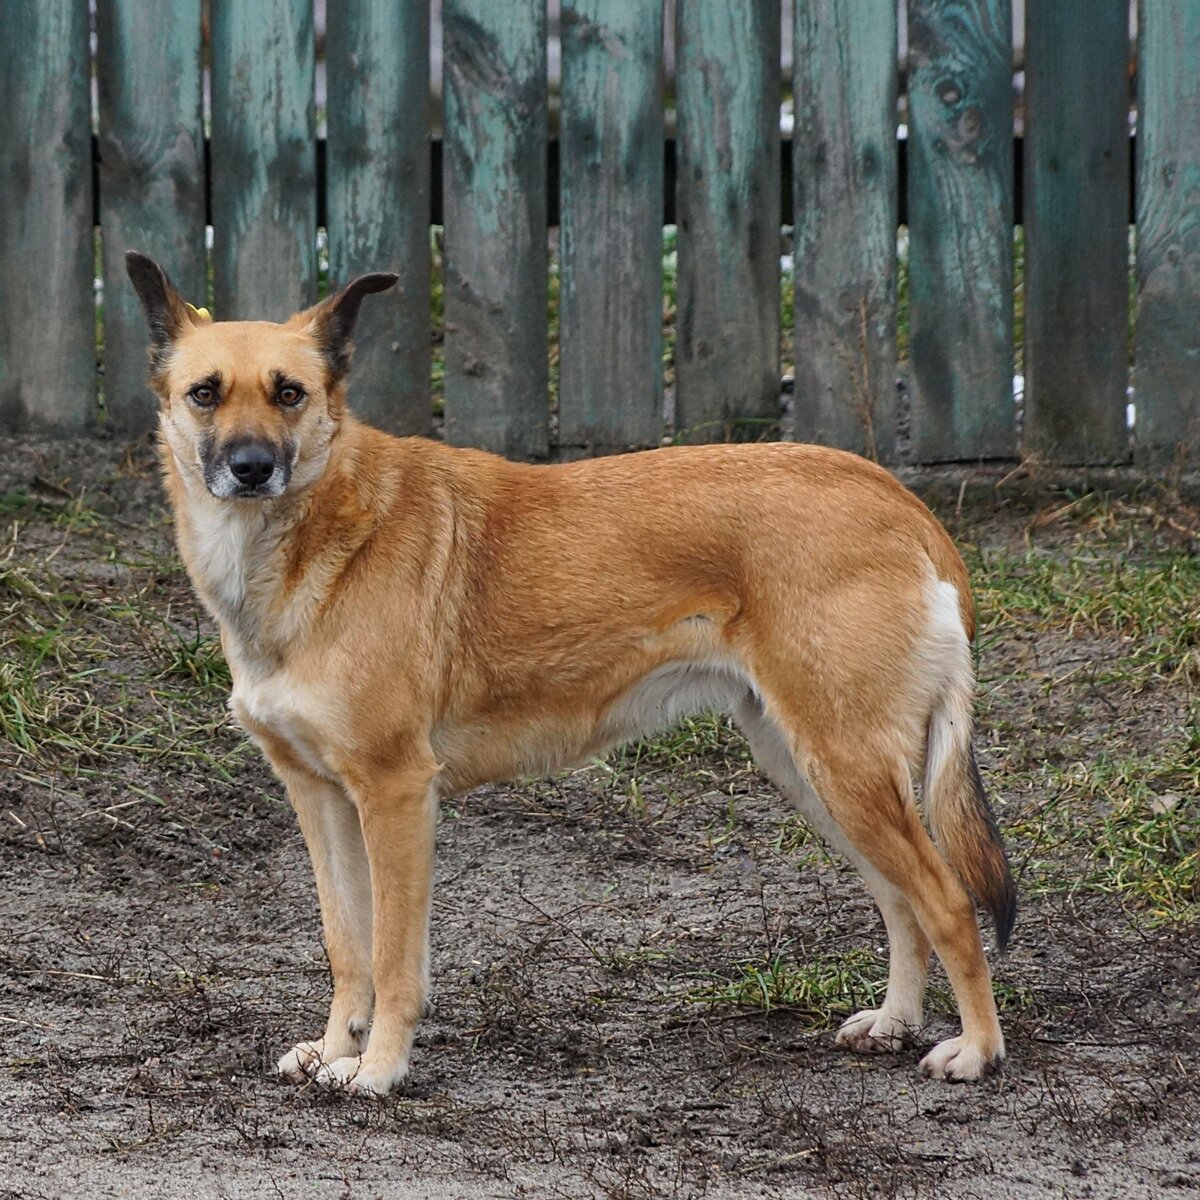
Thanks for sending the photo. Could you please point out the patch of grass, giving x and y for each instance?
(796, 840)
(75, 514)
(17, 503)
(1119, 819)
(197, 658)
(828, 989)
(1152, 606)
(823, 991)
(79, 682)
(1152, 857)
(670, 285)
(702, 754)
(1127, 826)
(705, 736)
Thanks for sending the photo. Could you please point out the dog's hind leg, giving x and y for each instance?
(898, 1020)
(330, 824)
(398, 808)
(870, 798)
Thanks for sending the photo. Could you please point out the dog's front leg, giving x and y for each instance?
(332, 832)
(398, 810)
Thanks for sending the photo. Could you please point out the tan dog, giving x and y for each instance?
(404, 621)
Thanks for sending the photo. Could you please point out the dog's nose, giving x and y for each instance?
(252, 463)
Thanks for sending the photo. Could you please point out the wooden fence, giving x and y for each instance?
(264, 182)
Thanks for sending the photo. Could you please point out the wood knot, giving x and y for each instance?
(949, 91)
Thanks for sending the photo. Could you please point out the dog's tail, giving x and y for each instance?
(960, 817)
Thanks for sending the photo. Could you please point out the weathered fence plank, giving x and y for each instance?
(1076, 230)
(727, 324)
(377, 197)
(151, 180)
(495, 208)
(610, 302)
(47, 315)
(263, 158)
(844, 178)
(960, 172)
(1167, 375)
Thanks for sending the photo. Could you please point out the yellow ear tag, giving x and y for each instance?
(202, 313)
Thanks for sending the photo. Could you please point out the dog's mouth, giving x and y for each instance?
(263, 491)
(248, 469)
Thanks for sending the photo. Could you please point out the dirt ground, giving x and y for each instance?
(637, 966)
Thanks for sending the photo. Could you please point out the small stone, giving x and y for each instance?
(1165, 803)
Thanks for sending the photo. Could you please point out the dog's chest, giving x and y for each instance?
(224, 551)
(274, 704)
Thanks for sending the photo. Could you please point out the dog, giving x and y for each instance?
(404, 621)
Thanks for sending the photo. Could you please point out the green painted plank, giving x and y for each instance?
(151, 180)
(495, 214)
(1167, 375)
(1076, 230)
(727, 324)
(845, 188)
(264, 158)
(47, 315)
(960, 206)
(377, 190)
(610, 302)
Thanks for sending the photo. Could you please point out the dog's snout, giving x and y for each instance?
(246, 467)
(252, 463)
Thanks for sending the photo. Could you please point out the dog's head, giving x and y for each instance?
(249, 406)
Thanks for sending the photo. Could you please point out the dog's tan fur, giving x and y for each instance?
(406, 621)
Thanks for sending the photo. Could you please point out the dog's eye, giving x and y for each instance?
(289, 395)
(203, 395)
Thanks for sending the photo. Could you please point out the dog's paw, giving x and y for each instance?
(876, 1031)
(957, 1060)
(360, 1076)
(301, 1061)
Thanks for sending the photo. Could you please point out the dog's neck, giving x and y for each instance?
(240, 556)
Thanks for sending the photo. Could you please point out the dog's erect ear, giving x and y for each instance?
(165, 307)
(332, 321)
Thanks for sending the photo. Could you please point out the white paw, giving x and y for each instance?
(876, 1031)
(360, 1076)
(958, 1061)
(301, 1060)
